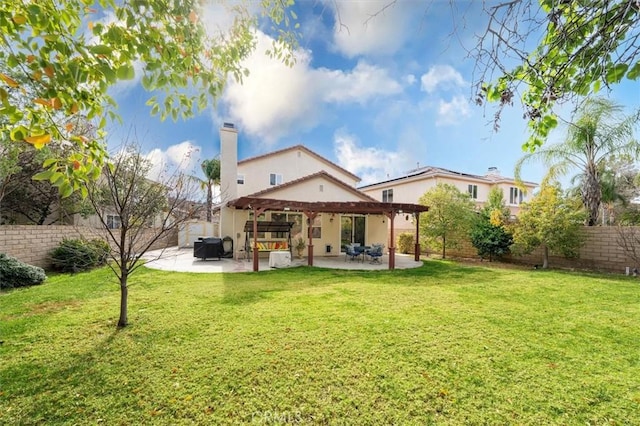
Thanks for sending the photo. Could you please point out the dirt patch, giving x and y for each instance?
(50, 307)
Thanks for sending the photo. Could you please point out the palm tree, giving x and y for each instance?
(211, 170)
(599, 131)
(611, 190)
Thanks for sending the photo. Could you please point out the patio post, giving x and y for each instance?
(256, 212)
(310, 218)
(417, 246)
(392, 244)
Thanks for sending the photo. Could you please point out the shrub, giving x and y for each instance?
(406, 242)
(14, 273)
(73, 255)
(490, 240)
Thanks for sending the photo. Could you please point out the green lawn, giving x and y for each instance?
(442, 344)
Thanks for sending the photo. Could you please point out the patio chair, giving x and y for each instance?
(375, 253)
(351, 252)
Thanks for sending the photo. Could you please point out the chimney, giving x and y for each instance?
(493, 172)
(228, 179)
(228, 162)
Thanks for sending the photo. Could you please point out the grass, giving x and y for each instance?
(441, 344)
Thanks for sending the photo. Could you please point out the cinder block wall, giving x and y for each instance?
(32, 244)
(600, 252)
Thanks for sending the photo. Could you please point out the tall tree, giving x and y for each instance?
(551, 221)
(211, 170)
(147, 212)
(59, 59)
(599, 131)
(449, 218)
(552, 51)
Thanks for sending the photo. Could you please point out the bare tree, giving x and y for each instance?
(137, 212)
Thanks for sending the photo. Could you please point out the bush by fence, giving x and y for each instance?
(74, 255)
(14, 273)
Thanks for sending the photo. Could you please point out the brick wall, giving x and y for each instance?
(32, 244)
(600, 252)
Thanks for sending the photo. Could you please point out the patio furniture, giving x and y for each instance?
(353, 252)
(227, 247)
(279, 259)
(375, 253)
(208, 248)
(267, 245)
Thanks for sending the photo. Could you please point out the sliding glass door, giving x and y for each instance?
(352, 230)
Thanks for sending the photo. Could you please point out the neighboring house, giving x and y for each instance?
(410, 187)
(297, 185)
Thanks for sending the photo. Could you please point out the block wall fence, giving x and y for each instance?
(600, 252)
(32, 244)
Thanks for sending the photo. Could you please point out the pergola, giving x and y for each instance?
(312, 209)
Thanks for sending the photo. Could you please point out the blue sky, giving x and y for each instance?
(378, 97)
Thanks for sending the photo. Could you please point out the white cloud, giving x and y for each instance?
(371, 27)
(359, 85)
(275, 100)
(452, 112)
(410, 79)
(441, 77)
(183, 157)
(371, 164)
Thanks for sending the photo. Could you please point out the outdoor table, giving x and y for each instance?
(279, 259)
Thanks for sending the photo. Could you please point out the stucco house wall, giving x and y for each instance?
(291, 163)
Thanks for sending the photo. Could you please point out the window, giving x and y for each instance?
(275, 179)
(113, 221)
(296, 218)
(515, 195)
(240, 179)
(321, 188)
(387, 196)
(316, 227)
(473, 191)
(261, 218)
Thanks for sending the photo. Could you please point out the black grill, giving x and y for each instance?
(208, 248)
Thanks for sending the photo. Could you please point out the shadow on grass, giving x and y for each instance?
(254, 287)
(41, 391)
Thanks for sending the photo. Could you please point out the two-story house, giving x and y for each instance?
(298, 186)
(411, 186)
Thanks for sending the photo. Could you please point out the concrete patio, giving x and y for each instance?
(182, 260)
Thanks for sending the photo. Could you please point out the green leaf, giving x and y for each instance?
(48, 162)
(615, 74)
(550, 121)
(66, 189)
(18, 133)
(43, 175)
(126, 72)
(634, 72)
(101, 49)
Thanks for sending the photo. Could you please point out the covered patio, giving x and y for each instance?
(181, 260)
(313, 209)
